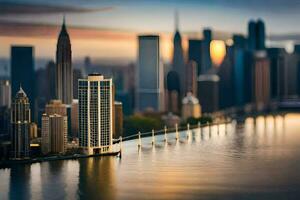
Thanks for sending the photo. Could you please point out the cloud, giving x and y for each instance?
(21, 29)
(9, 8)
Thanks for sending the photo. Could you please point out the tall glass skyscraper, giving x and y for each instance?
(150, 75)
(20, 121)
(95, 114)
(64, 71)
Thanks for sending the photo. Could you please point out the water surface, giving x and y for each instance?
(258, 160)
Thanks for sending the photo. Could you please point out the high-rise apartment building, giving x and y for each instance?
(95, 95)
(54, 133)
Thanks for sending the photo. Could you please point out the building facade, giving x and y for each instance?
(20, 122)
(150, 75)
(55, 128)
(95, 97)
(54, 133)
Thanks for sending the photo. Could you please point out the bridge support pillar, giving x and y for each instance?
(166, 138)
(176, 131)
(139, 140)
(153, 137)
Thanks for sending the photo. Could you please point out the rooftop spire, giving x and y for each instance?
(176, 20)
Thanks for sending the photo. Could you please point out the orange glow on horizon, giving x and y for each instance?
(217, 51)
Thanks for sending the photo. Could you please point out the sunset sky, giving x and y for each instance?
(108, 28)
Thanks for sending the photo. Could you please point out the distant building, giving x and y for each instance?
(277, 57)
(208, 92)
(261, 80)
(55, 128)
(95, 114)
(54, 133)
(4, 122)
(150, 76)
(33, 131)
(5, 93)
(195, 52)
(118, 119)
(178, 58)
(226, 83)
(20, 121)
(56, 107)
(191, 77)
(256, 35)
(206, 58)
(239, 41)
(190, 107)
(50, 91)
(170, 120)
(22, 72)
(74, 119)
(64, 70)
(173, 91)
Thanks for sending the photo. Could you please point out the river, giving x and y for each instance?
(258, 160)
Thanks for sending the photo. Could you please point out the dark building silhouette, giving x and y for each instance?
(64, 71)
(239, 42)
(20, 121)
(50, 69)
(173, 91)
(252, 35)
(178, 58)
(208, 92)
(277, 63)
(195, 52)
(22, 72)
(226, 83)
(261, 35)
(206, 59)
(256, 35)
(191, 77)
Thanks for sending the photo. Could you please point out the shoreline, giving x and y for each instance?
(11, 163)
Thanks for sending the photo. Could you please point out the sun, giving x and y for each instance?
(217, 52)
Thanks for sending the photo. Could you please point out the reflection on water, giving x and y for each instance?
(256, 160)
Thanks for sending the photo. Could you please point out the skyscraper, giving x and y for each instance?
(22, 72)
(261, 80)
(20, 121)
(195, 52)
(95, 114)
(252, 35)
(260, 35)
(64, 71)
(178, 58)
(256, 35)
(150, 75)
(191, 77)
(206, 59)
(208, 92)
